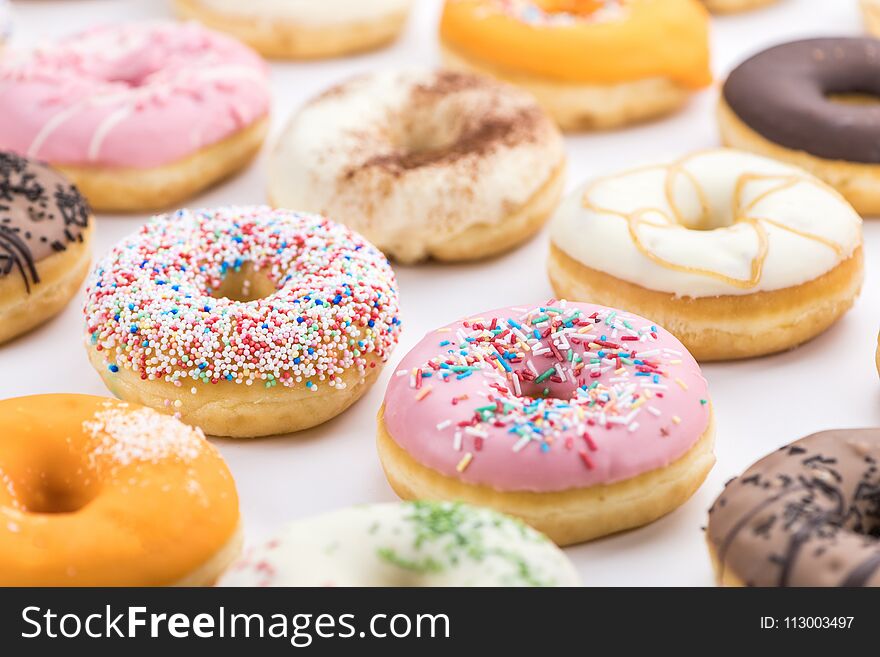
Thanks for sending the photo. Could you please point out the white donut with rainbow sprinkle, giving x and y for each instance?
(244, 321)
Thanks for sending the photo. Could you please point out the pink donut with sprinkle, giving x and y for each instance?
(581, 419)
(140, 115)
(245, 321)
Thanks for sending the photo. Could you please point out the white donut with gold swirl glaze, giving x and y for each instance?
(717, 222)
(405, 544)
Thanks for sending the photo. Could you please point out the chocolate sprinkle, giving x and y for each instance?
(808, 515)
(41, 213)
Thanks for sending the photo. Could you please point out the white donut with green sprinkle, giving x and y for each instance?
(405, 544)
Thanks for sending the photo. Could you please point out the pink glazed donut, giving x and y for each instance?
(580, 419)
(140, 115)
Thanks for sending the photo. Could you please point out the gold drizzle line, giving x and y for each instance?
(741, 214)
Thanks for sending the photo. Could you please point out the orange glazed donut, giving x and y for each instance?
(591, 63)
(95, 492)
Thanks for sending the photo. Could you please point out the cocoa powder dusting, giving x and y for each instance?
(489, 125)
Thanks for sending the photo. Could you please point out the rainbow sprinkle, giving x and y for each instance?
(150, 307)
(532, 13)
(551, 373)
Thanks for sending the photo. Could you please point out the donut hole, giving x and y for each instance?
(855, 98)
(57, 497)
(459, 125)
(425, 139)
(245, 284)
(133, 72)
(58, 486)
(551, 388)
(706, 203)
(716, 219)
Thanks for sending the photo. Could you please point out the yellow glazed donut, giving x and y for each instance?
(45, 235)
(302, 28)
(736, 254)
(140, 116)
(425, 164)
(244, 321)
(579, 419)
(97, 492)
(590, 63)
(734, 6)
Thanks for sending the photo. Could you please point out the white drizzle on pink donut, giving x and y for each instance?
(138, 95)
(149, 305)
(561, 396)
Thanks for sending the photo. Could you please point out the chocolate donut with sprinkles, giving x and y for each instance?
(45, 243)
(580, 419)
(245, 321)
(806, 515)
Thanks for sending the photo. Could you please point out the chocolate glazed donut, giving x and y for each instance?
(806, 515)
(783, 94)
(41, 213)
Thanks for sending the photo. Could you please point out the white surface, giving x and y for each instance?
(760, 404)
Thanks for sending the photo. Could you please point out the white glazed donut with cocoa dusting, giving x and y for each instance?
(423, 163)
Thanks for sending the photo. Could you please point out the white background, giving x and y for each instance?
(760, 404)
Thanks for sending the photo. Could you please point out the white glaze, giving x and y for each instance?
(403, 212)
(310, 12)
(405, 544)
(599, 237)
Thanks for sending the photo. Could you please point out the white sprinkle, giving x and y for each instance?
(522, 442)
(142, 435)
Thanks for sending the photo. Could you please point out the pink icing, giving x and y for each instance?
(136, 95)
(639, 415)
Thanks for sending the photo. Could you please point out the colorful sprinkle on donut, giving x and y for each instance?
(151, 306)
(560, 13)
(557, 396)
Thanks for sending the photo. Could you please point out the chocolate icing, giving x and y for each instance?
(41, 213)
(782, 94)
(806, 515)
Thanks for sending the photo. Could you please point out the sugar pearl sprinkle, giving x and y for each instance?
(604, 363)
(150, 307)
(141, 435)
